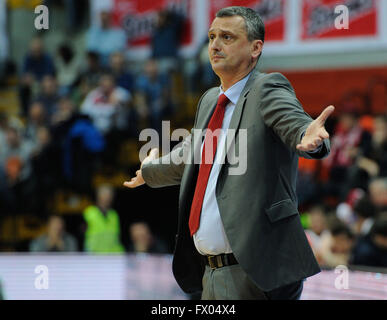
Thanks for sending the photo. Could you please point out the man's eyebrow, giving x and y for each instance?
(222, 31)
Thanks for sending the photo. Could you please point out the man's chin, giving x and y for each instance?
(217, 66)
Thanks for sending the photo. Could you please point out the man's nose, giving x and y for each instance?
(214, 45)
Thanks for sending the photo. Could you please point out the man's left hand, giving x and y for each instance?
(315, 133)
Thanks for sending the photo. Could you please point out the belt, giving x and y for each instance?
(220, 260)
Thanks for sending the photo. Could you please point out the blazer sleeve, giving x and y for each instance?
(281, 111)
(168, 170)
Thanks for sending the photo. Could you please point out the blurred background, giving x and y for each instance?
(74, 98)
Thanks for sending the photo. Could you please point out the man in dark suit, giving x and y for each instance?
(239, 232)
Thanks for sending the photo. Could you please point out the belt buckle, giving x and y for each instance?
(213, 265)
(211, 262)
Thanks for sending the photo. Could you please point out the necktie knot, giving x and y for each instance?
(222, 100)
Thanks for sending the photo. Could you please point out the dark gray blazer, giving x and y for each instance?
(258, 208)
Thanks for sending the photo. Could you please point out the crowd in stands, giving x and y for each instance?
(75, 113)
(351, 229)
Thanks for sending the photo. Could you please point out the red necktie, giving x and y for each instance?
(206, 164)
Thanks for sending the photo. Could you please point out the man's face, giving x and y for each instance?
(229, 49)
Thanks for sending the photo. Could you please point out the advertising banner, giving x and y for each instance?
(319, 18)
(272, 13)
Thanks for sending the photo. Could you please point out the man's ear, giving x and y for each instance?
(257, 46)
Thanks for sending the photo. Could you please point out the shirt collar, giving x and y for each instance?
(235, 90)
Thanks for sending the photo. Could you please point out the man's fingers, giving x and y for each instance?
(129, 184)
(134, 181)
(324, 134)
(325, 114)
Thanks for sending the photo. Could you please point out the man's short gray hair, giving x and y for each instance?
(254, 25)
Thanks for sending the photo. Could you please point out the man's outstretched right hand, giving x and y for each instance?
(138, 180)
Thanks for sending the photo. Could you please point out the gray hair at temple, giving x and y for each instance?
(254, 25)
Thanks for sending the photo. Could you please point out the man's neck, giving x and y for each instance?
(227, 83)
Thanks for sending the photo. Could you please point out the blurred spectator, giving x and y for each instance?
(56, 239)
(348, 143)
(166, 39)
(317, 227)
(78, 143)
(109, 108)
(49, 95)
(103, 224)
(107, 105)
(67, 66)
(365, 212)
(105, 39)
(5, 122)
(378, 193)
(335, 246)
(15, 155)
(371, 250)
(88, 78)
(16, 183)
(3, 127)
(45, 162)
(376, 162)
(153, 95)
(66, 109)
(36, 118)
(345, 210)
(37, 64)
(122, 76)
(142, 239)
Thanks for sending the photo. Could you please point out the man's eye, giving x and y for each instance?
(211, 37)
(227, 37)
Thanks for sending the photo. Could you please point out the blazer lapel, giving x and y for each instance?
(206, 110)
(238, 111)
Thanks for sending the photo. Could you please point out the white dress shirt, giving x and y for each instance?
(210, 238)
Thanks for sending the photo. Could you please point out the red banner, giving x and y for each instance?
(271, 11)
(138, 17)
(318, 18)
